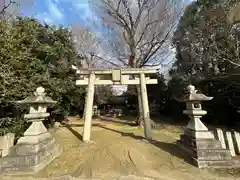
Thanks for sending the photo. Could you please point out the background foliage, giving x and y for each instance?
(207, 56)
(207, 43)
(32, 55)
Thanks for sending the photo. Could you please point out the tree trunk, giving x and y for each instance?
(140, 119)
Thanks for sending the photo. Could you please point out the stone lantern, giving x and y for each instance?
(95, 108)
(197, 141)
(37, 147)
(195, 112)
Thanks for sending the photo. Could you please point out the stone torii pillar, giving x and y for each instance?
(145, 108)
(89, 105)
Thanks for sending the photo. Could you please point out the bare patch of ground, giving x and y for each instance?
(119, 151)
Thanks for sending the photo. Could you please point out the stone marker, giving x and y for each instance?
(220, 137)
(37, 147)
(197, 141)
(6, 143)
(236, 138)
(229, 143)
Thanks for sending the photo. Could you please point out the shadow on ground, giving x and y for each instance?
(120, 121)
(171, 148)
(75, 133)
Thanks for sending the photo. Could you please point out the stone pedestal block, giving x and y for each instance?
(30, 158)
(206, 152)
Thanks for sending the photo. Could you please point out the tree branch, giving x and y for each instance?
(5, 6)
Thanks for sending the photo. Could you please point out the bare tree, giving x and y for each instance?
(90, 47)
(137, 31)
(9, 9)
(87, 46)
(4, 6)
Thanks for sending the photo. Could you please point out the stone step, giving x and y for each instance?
(213, 154)
(200, 143)
(205, 154)
(216, 163)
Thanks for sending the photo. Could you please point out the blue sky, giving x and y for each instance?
(65, 12)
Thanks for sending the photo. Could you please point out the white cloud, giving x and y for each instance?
(83, 10)
(54, 10)
(48, 20)
(52, 14)
(58, 11)
(44, 17)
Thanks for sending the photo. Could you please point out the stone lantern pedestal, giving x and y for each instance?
(37, 147)
(197, 141)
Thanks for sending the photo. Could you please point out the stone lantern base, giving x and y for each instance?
(203, 149)
(33, 152)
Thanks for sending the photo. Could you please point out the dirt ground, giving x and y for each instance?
(118, 152)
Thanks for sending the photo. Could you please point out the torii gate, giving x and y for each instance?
(120, 76)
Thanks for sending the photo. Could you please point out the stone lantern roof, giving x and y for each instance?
(192, 95)
(38, 98)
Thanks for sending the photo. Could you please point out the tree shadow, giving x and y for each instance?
(122, 133)
(170, 148)
(128, 118)
(160, 119)
(75, 133)
(107, 119)
(173, 121)
(81, 125)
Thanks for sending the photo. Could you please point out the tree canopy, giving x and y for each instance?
(207, 44)
(34, 54)
(207, 54)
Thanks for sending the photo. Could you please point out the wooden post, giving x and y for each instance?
(147, 121)
(89, 105)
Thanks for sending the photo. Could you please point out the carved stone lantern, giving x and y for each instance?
(194, 111)
(37, 147)
(37, 113)
(197, 141)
